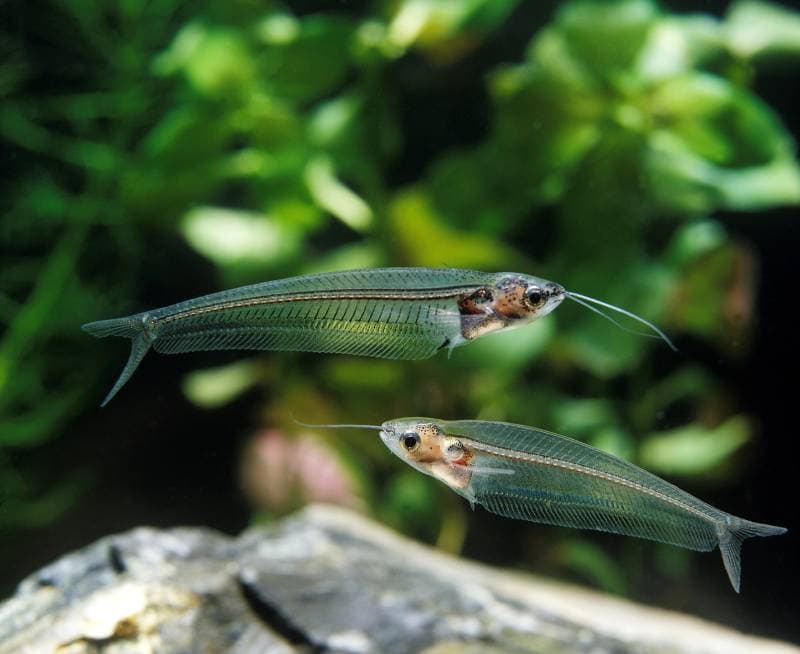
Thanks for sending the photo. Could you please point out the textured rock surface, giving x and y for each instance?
(323, 581)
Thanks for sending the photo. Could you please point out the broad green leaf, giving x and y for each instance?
(215, 387)
(228, 236)
(607, 36)
(424, 240)
(184, 135)
(333, 196)
(278, 29)
(606, 199)
(543, 128)
(693, 449)
(305, 63)
(718, 121)
(677, 44)
(762, 29)
(614, 441)
(364, 254)
(216, 61)
(331, 120)
(468, 194)
(693, 240)
(686, 182)
(445, 29)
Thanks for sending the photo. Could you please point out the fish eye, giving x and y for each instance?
(410, 441)
(534, 297)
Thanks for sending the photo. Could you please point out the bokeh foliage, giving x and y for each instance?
(275, 141)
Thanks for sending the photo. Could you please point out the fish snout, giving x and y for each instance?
(555, 291)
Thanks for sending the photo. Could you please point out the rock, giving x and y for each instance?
(325, 580)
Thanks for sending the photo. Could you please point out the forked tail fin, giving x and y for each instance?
(730, 544)
(132, 327)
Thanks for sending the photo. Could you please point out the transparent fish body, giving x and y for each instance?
(529, 474)
(393, 313)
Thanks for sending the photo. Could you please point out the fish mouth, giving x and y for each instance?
(555, 291)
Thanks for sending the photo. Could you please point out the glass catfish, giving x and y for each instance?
(393, 313)
(529, 474)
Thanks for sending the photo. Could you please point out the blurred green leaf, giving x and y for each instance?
(762, 29)
(688, 183)
(693, 240)
(332, 195)
(304, 60)
(693, 450)
(715, 297)
(227, 236)
(216, 387)
(580, 417)
(510, 351)
(606, 36)
(592, 563)
(443, 28)
(614, 441)
(411, 503)
(546, 122)
(719, 121)
(362, 375)
(425, 239)
(605, 348)
(686, 386)
(349, 257)
(216, 61)
(677, 44)
(40, 424)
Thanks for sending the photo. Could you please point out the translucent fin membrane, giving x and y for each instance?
(560, 481)
(730, 544)
(391, 329)
(129, 327)
(585, 300)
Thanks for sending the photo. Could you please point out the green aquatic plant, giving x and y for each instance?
(270, 141)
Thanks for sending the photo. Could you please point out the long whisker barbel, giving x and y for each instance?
(584, 300)
(336, 426)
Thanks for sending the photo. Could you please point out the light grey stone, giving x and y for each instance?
(325, 580)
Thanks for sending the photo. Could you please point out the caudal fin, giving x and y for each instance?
(730, 544)
(132, 327)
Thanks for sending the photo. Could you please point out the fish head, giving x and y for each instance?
(417, 441)
(424, 444)
(522, 299)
